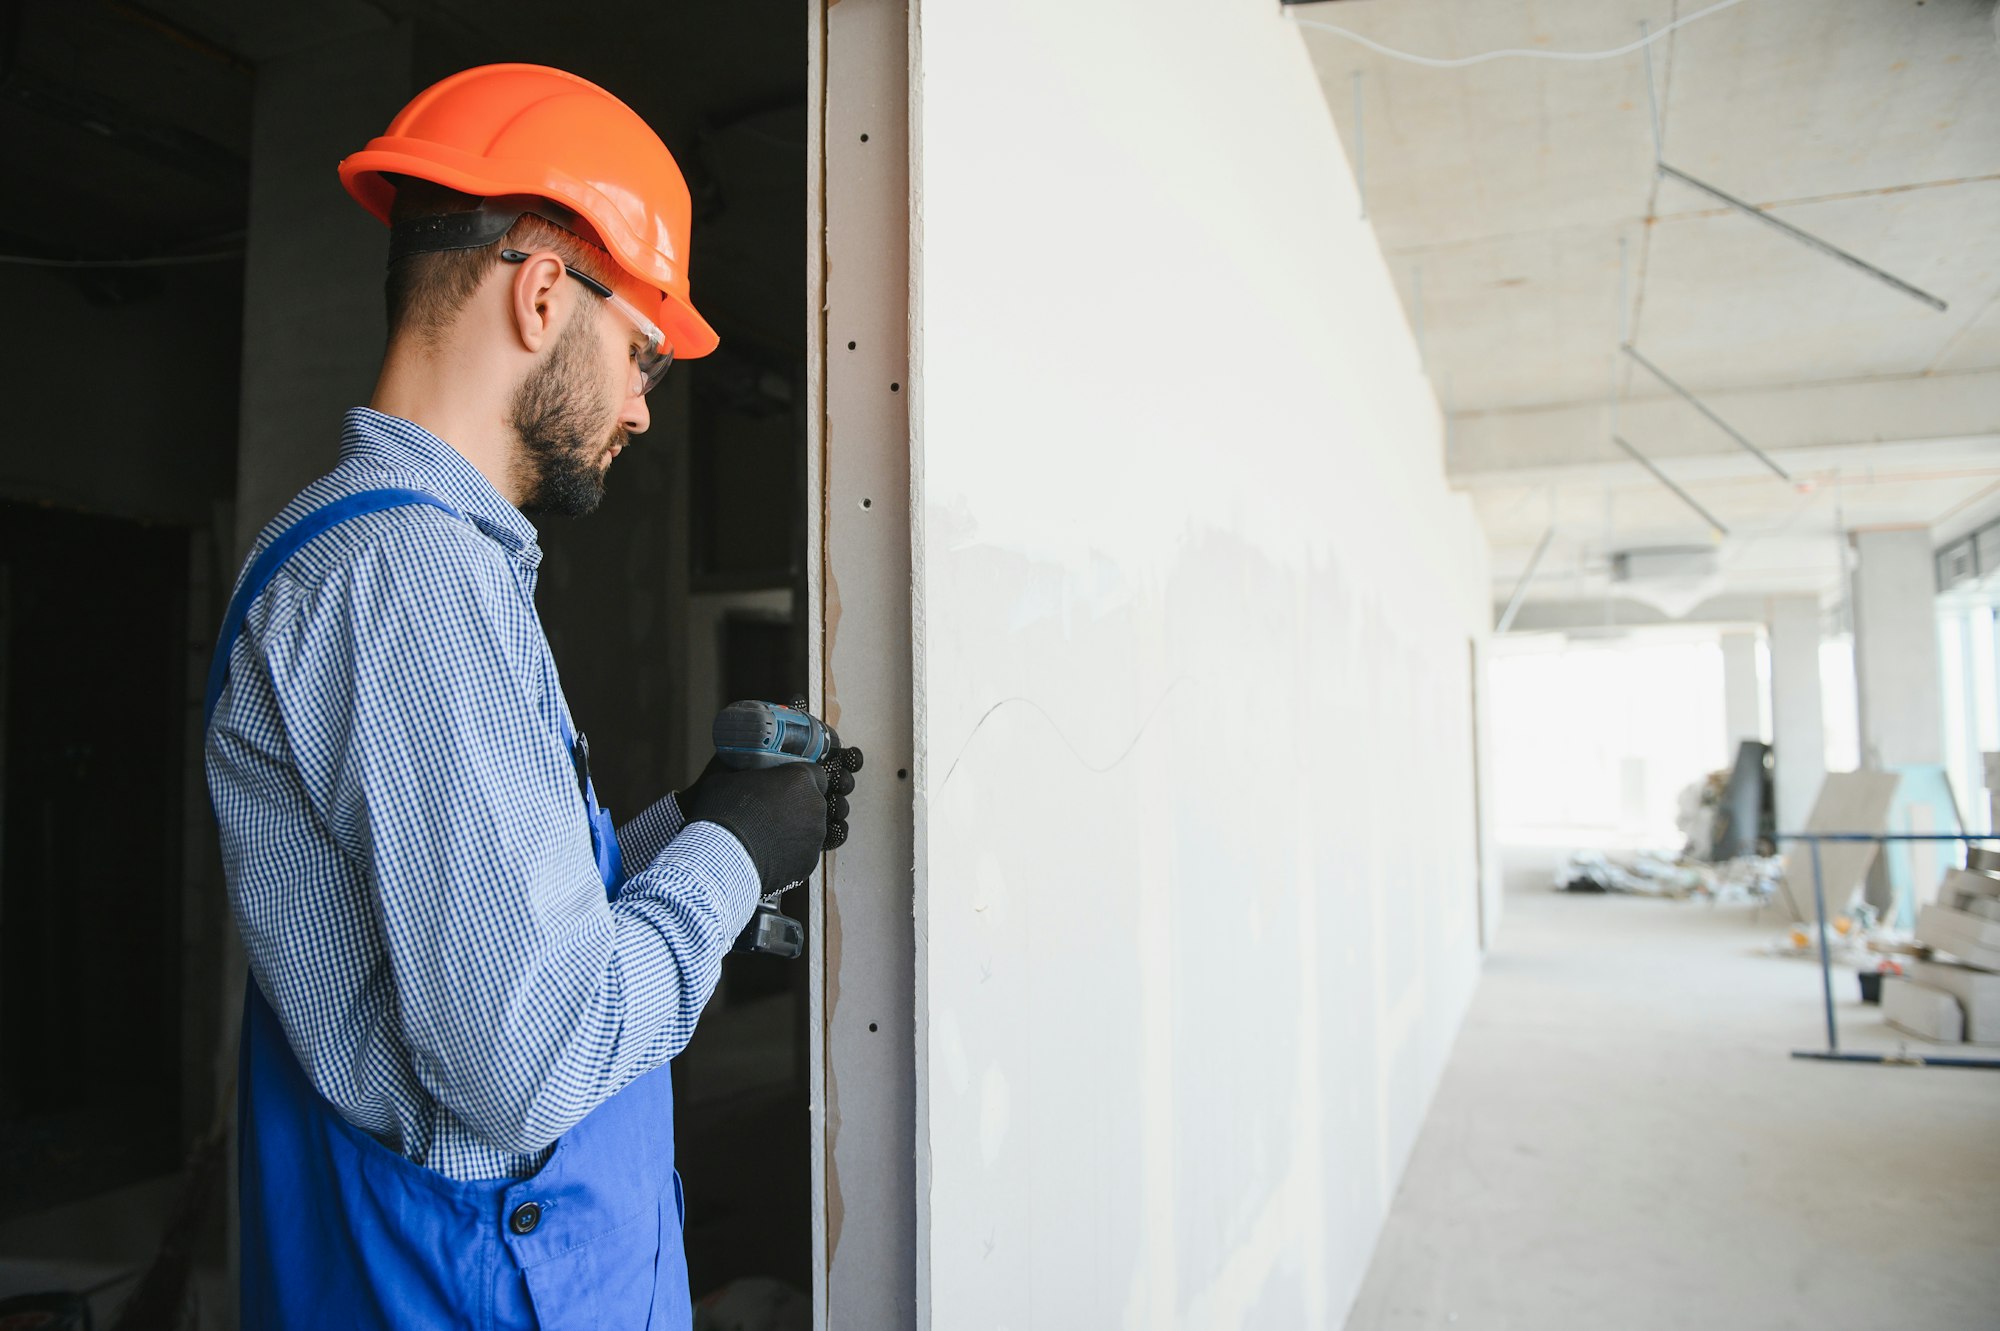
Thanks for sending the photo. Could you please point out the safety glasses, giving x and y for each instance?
(650, 360)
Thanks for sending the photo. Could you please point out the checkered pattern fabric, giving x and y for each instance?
(407, 853)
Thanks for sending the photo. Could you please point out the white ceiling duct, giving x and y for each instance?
(1675, 578)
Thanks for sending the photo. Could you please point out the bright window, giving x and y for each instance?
(1595, 739)
(1966, 629)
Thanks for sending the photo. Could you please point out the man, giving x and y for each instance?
(465, 983)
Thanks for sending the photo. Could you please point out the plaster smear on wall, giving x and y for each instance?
(1196, 890)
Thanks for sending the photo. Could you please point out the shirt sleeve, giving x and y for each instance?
(525, 1000)
(645, 836)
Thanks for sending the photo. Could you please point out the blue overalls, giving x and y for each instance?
(340, 1231)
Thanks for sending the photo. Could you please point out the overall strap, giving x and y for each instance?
(603, 834)
(289, 542)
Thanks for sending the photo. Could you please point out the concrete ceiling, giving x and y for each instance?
(1518, 207)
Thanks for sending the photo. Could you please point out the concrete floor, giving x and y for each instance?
(1620, 1141)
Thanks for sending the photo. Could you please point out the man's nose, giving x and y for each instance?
(636, 416)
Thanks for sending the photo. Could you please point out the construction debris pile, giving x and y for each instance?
(1748, 878)
(1932, 964)
(1728, 855)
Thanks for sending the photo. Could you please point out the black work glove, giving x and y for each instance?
(779, 814)
(841, 763)
(686, 798)
(839, 787)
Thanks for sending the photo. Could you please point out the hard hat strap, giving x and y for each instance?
(475, 227)
(490, 222)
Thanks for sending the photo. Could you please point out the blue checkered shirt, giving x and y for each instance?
(407, 854)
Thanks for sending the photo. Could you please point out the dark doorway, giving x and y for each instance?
(93, 631)
(130, 130)
(126, 145)
(687, 588)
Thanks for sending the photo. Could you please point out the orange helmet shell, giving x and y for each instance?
(529, 129)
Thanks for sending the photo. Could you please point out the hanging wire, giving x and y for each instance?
(1652, 93)
(1360, 148)
(1624, 330)
(1511, 53)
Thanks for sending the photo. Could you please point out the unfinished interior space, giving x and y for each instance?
(1419, 581)
(1707, 294)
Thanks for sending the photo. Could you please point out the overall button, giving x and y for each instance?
(526, 1216)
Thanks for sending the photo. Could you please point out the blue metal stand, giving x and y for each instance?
(1832, 1053)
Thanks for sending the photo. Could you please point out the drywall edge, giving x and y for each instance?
(868, 996)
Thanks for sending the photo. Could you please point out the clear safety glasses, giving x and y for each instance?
(651, 362)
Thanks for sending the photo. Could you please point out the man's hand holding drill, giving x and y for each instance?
(785, 815)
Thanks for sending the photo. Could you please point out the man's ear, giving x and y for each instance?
(530, 298)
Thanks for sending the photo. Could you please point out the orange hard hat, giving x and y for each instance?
(530, 130)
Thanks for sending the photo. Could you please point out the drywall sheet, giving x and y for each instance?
(1197, 898)
(1848, 802)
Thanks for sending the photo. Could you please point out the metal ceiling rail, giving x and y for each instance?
(1703, 408)
(1667, 481)
(1806, 238)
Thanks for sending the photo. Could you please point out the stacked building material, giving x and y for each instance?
(1957, 996)
(1928, 1014)
(1976, 991)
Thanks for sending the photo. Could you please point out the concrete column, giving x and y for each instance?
(1896, 664)
(1742, 693)
(1798, 737)
(313, 321)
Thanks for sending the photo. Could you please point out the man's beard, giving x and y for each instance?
(559, 420)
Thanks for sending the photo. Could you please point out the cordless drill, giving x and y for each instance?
(765, 734)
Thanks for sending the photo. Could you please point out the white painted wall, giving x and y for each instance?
(1196, 899)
